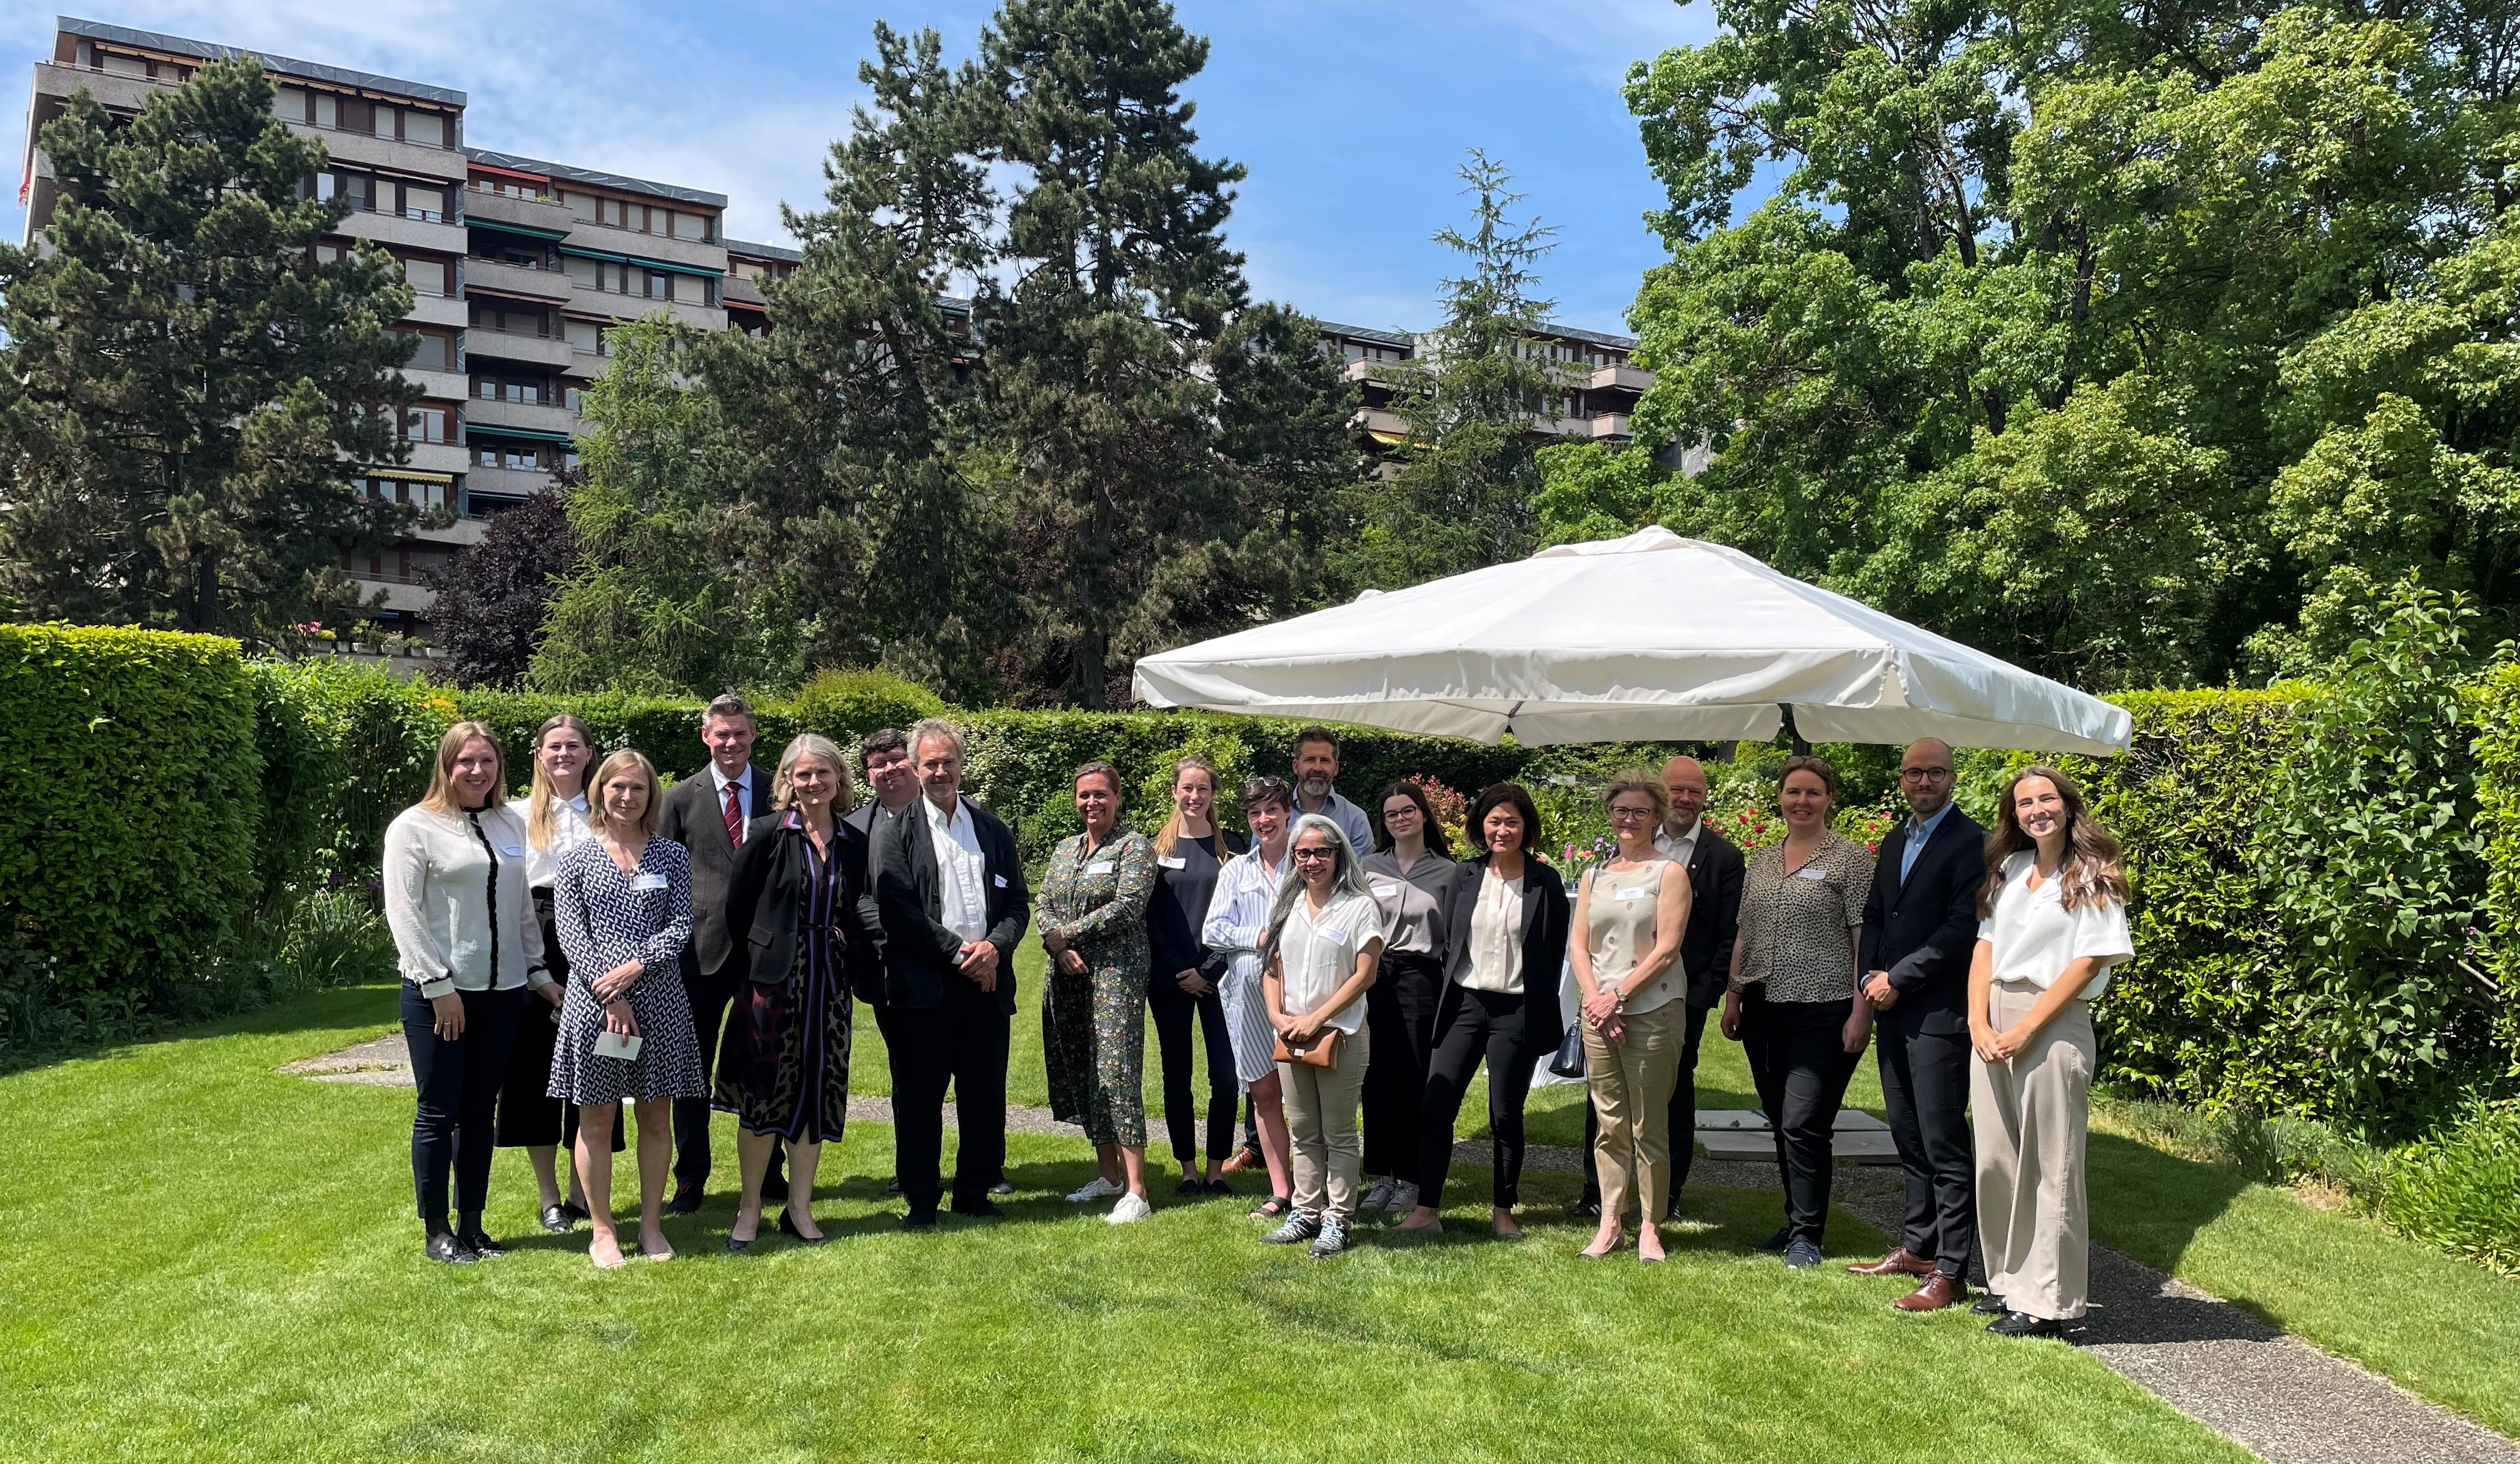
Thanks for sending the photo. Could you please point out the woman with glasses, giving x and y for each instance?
(1237, 925)
(1409, 871)
(1802, 903)
(1629, 912)
(1323, 941)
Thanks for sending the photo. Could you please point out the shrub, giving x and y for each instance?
(2459, 1188)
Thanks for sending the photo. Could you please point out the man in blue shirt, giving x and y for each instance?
(1316, 787)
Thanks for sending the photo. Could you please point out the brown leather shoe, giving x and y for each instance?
(1938, 1292)
(1239, 1160)
(1897, 1264)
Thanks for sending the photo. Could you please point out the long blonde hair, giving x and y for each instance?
(1171, 833)
(440, 798)
(624, 763)
(538, 803)
(783, 789)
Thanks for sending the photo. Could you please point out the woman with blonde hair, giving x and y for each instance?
(623, 907)
(1184, 982)
(783, 1065)
(2051, 922)
(468, 944)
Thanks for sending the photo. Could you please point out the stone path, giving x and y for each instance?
(2251, 1382)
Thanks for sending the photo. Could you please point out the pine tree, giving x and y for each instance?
(184, 386)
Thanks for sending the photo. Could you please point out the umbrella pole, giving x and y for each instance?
(1793, 733)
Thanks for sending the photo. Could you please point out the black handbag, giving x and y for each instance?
(1570, 1061)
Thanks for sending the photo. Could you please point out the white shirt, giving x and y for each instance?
(455, 899)
(744, 796)
(962, 869)
(1238, 914)
(569, 829)
(1680, 848)
(2035, 937)
(1496, 937)
(1317, 954)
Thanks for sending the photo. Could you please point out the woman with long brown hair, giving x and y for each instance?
(2052, 921)
(469, 946)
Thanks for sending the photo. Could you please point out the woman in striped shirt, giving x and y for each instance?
(1237, 922)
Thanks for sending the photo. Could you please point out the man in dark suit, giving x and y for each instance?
(892, 787)
(1714, 864)
(949, 893)
(707, 814)
(1919, 933)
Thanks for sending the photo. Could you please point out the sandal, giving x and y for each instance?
(1276, 1207)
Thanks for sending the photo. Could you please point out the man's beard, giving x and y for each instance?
(1314, 786)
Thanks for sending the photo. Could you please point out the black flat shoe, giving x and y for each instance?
(1774, 1245)
(686, 1201)
(578, 1214)
(444, 1249)
(978, 1210)
(922, 1219)
(788, 1227)
(1217, 1187)
(556, 1219)
(1989, 1305)
(1190, 1188)
(480, 1243)
(2022, 1324)
(735, 1247)
(1585, 1209)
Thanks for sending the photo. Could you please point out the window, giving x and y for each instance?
(574, 400)
(289, 103)
(517, 456)
(426, 128)
(426, 425)
(115, 64)
(432, 353)
(428, 276)
(428, 203)
(586, 337)
(328, 109)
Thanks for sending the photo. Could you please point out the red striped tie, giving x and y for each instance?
(735, 814)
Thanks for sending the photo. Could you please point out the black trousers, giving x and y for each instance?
(454, 1127)
(1489, 1024)
(709, 997)
(1400, 1016)
(1925, 1088)
(962, 1043)
(1684, 1114)
(1809, 1066)
(1175, 1010)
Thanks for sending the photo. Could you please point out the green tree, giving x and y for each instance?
(184, 386)
(1286, 435)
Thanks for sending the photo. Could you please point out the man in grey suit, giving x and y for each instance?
(706, 813)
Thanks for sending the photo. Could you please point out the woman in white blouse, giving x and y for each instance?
(529, 1118)
(1324, 941)
(469, 944)
(2052, 921)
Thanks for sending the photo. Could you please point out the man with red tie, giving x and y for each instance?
(707, 814)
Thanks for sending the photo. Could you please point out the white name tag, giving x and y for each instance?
(1386, 892)
(1335, 936)
(1103, 867)
(1633, 894)
(999, 880)
(1173, 862)
(1810, 873)
(646, 881)
(512, 850)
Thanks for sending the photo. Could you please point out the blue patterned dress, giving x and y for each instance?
(607, 917)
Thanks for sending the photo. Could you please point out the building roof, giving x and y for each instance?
(1597, 337)
(567, 173)
(1401, 338)
(764, 250)
(312, 70)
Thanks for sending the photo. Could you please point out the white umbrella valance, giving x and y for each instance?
(1647, 638)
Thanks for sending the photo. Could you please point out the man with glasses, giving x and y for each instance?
(1919, 933)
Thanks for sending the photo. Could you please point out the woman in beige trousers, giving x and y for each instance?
(2051, 922)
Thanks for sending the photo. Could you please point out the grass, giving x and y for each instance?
(203, 1258)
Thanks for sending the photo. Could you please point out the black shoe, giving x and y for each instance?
(892, 1186)
(1001, 1187)
(1671, 1212)
(920, 1218)
(2022, 1324)
(556, 1219)
(1587, 1208)
(578, 1214)
(686, 1200)
(1775, 1245)
(1990, 1304)
(735, 1247)
(788, 1227)
(480, 1244)
(979, 1208)
(1217, 1187)
(446, 1250)
(1190, 1187)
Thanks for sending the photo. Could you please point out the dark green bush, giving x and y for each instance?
(2459, 1187)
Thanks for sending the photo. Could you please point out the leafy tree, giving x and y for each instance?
(1286, 437)
(184, 386)
(492, 599)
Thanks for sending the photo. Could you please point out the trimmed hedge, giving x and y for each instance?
(134, 802)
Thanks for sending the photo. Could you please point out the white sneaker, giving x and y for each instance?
(1379, 1196)
(1099, 1189)
(1131, 1209)
(1404, 1198)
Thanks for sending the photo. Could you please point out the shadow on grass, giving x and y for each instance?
(2151, 1205)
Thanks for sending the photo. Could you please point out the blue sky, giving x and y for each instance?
(1351, 116)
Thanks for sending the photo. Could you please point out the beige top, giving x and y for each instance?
(1496, 937)
(1619, 930)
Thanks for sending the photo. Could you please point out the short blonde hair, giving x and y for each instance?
(1639, 780)
(624, 763)
(783, 785)
(440, 798)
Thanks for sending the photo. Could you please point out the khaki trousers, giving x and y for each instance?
(1632, 1083)
(2031, 1117)
(1321, 1119)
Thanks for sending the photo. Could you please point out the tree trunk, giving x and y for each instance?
(1085, 671)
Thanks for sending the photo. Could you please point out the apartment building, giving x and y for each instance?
(1599, 400)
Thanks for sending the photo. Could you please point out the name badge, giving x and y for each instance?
(1808, 871)
(1386, 892)
(1335, 936)
(1633, 894)
(646, 881)
(1173, 862)
(999, 879)
(1104, 866)
(512, 850)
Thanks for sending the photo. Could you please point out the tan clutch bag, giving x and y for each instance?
(1323, 1054)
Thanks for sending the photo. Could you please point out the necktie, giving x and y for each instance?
(735, 814)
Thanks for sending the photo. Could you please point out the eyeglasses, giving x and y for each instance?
(1924, 775)
(1307, 855)
(1630, 813)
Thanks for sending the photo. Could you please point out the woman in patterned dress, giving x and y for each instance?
(1092, 914)
(792, 916)
(622, 901)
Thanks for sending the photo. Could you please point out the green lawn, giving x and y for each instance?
(202, 1258)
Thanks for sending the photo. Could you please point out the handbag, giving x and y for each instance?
(1323, 1054)
(1570, 1061)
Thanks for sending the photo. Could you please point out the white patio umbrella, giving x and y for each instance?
(1647, 638)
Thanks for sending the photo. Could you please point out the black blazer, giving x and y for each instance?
(1545, 918)
(693, 817)
(1714, 916)
(1924, 932)
(764, 898)
(918, 953)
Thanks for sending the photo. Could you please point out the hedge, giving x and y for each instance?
(134, 802)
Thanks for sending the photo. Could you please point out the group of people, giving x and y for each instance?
(1347, 972)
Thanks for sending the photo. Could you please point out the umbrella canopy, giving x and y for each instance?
(1648, 637)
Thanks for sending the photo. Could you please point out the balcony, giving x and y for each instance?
(508, 209)
(436, 310)
(399, 594)
(400, 229)
(551, 351)
(524, 417)
(440, 385)
(738, 291)
(1385, 425)
(604, 238)
(1622, 379)
(588, 298)
(118, 92)
(361, 149)
(548, 285)
(1609, 425)
(513, 482)
(587, 366)
(462, 532)
(435, 456)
